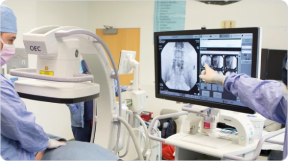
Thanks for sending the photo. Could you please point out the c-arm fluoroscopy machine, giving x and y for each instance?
(56, 78)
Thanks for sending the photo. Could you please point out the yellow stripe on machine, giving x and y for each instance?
(51, 73)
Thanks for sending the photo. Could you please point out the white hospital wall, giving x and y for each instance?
(271, 16)
(54, 118)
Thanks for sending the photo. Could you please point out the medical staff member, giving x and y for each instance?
(21, 137)
(269, 98)
(82, 113)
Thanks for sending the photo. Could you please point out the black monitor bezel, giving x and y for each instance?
(255, 57)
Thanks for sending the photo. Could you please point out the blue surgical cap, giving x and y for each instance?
(8, 20)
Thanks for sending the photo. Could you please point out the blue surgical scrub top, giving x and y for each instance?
(21, 137)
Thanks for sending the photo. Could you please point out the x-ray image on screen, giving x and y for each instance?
(230, 73)
(217, 61)
(179, 66)
(231, 62)
(205, 59)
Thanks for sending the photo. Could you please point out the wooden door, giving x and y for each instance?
(125, 39)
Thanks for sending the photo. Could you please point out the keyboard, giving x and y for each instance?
(206, 141)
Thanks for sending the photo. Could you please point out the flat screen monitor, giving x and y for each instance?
(274, 64)
(180, 57)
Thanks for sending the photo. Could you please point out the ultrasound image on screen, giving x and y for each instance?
(231, 62)
(218, 61)
(205, 59)
(179, 66)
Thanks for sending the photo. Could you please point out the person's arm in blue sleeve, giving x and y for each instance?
(77, 114)
(19, 124)
(72, 107)
(265, 97)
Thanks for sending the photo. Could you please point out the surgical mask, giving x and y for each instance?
(284, 91)
(7, 53)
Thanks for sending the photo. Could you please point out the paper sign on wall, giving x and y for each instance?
(228, 24)
(169, 15)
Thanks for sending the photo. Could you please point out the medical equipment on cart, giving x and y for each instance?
(243, 144)
(56, 78)
(180, 57)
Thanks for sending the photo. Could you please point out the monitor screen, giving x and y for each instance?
(274, 64)
(180, 57)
